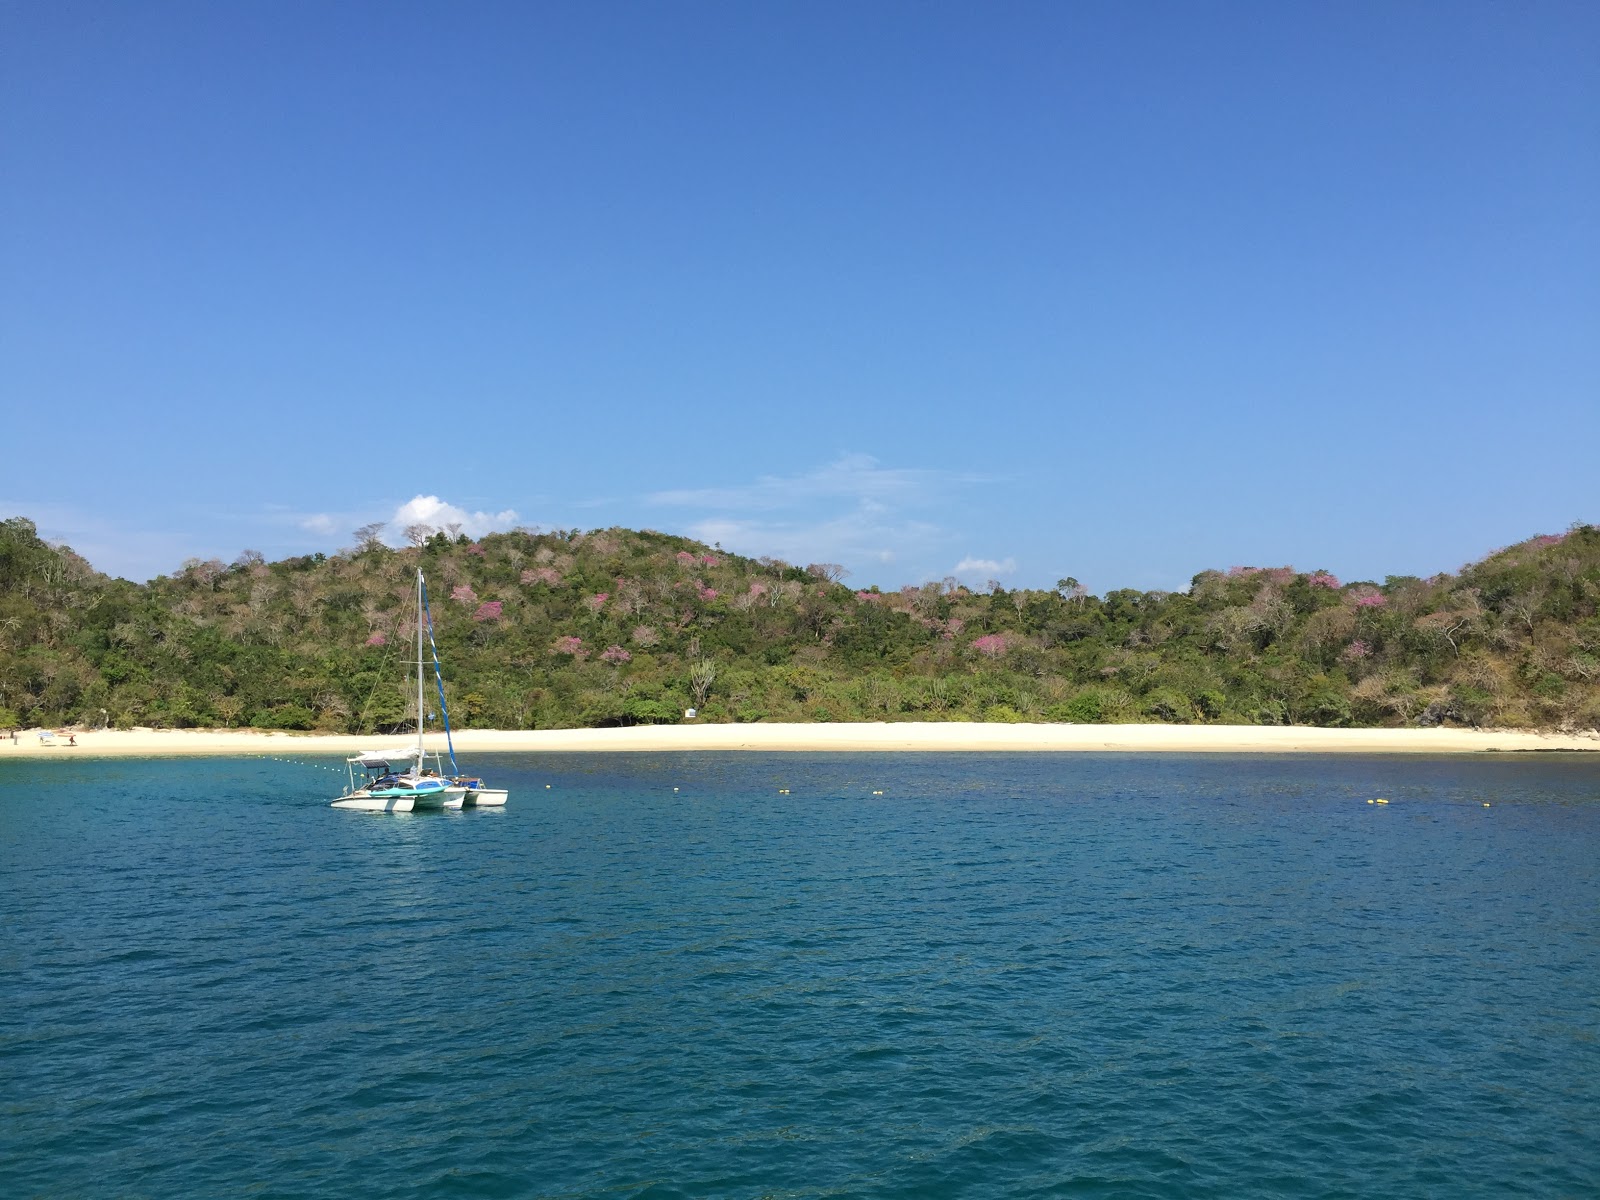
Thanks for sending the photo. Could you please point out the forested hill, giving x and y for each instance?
(540, 630)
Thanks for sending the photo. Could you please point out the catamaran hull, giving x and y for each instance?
(434, 800)
(482, 798)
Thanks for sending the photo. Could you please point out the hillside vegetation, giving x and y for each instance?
(560, 629)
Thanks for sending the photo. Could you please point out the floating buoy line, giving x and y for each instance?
(296, 762)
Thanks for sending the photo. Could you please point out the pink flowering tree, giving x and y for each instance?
(476, 548)
(686, 559)
(489, 610)
(615, 655)
(990, 645)
(707, 593)
(464, 593)
(710, 560)
(1369, 598)
(1322, 579)
(597, 601)
(548, 576)
(377, 639)
(572, 646)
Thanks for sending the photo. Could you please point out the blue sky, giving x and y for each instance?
(1122, 291)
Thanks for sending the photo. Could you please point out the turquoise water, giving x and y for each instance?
(1011, 975)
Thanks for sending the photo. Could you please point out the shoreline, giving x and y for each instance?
(969, 737)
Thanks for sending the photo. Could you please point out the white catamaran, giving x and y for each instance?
(416, 786)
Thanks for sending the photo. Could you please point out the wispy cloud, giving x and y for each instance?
(857, 478)
(853, 538)
(110, 546)
(853, 511)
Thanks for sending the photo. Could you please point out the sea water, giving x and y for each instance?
(806, 975)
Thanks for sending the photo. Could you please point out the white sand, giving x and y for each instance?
(876, 736)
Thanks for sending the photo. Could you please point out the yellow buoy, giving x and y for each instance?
(1486, 804)
(877, 793)
(674, 789)
(1380, 800)
(1369, 801)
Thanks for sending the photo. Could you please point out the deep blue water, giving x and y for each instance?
(1007, 975)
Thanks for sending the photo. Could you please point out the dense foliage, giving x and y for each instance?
(540, 630)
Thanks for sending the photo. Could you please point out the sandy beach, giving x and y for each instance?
(905, 736)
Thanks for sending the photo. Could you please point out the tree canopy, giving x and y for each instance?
(618, 627)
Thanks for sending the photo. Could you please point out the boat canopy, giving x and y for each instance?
(382, 758)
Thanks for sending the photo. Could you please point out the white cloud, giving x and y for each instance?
(434, 512)
(989, 568)
(431, 511)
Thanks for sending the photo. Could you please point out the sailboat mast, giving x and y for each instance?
(421, 723)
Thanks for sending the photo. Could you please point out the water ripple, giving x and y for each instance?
(1084, 976)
